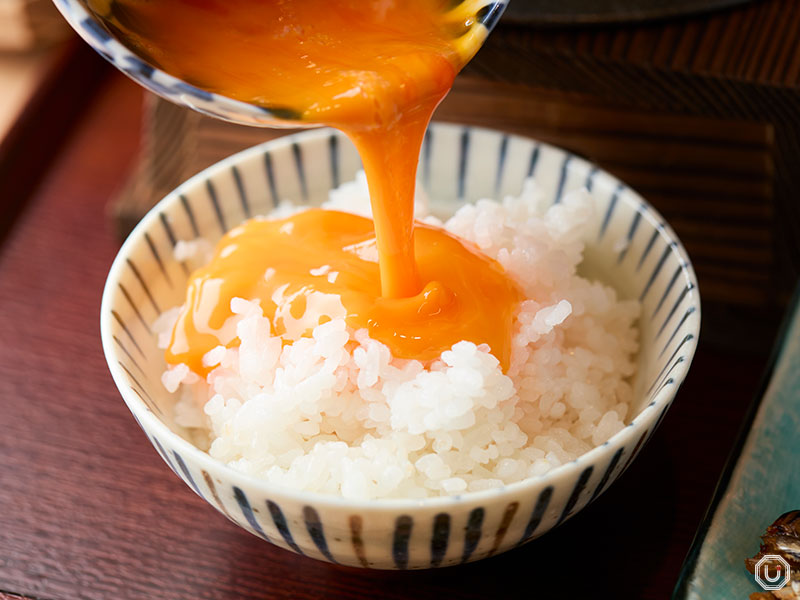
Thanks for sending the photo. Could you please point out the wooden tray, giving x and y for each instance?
(571, 12)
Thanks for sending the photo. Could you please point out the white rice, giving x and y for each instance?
(313, 416)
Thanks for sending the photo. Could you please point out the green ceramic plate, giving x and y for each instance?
(760, 482)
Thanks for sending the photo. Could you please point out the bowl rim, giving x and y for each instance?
(639, 424)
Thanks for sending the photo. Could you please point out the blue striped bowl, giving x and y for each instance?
(458, 164)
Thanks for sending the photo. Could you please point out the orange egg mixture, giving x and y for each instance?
(375, 69)
(329, 251)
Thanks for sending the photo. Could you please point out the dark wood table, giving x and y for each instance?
(89, 510)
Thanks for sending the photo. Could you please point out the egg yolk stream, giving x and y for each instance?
(283, 262)
(376, 70)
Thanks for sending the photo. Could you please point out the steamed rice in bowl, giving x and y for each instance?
(335, 413)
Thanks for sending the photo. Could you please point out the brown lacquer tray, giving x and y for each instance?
(566, 12)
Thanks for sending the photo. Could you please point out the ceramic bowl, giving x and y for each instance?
(90, 28)
(630, 247)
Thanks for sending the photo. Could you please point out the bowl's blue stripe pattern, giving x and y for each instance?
(333, 149)
(127, 331)
(137, 274)
(127, 353)
(637, 218)
(157, 256)
(501, 163)
(669, 381)
(214, 199)
(534, 160)
(190, 214)
(439, 538)
(247, 511)
(462, 161)
(165, 457)
(508, 516)
(542, 503)
(689, 312)
(402, 533)
(472, 533)
(167, 229)
(689, 287)
(197, 93)
(441, 528)
(636, 449)
(665, 283)
(646, 252)
(137, 68)
(270, 175)
(688, 338)
(140, 391)
(137, 385)
(661, 416)
(133, 305)
(678, 270)
(664, 256)
(678, 361)
(147, 401)
(562, 179)
(297, 153)
(212, 489)
(281, 526)
(100, 35)
(316, 531)
(237, 178)
(171, 237)
(607, 474)
(187, 475)
(575, 495)
(356, 527)
(589, 183)
(610, 211)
